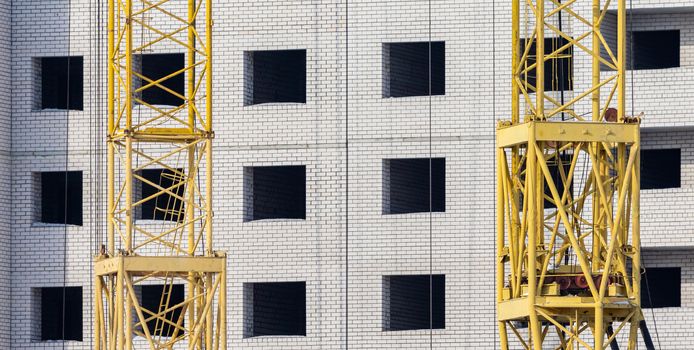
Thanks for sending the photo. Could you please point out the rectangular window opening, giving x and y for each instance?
(159, 297)
(159, 66)
(558, 70)
(60, 313)
(61, 83)
(275, 192)
(414, 302)
(656, 49)
(274, 309)
(163, 206)
(554, 168)
(276, 76)
(660, 168)
(661, 287)
(406, 185)
(61, 197)
(407, 68)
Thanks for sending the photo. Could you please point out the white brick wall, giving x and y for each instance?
(314, 134)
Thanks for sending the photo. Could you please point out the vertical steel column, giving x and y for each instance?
(596, 63)
(531, 178)
(515, 61)
(540, 60)
(110, 171)
(190, 186)
(500, 232)
(208, 165)
(116, 270)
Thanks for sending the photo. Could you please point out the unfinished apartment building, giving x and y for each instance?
(354, 191)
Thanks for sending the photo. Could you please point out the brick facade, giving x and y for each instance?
(341, 135)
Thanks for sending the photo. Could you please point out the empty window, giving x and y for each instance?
(554, 168)
(157, 298)
(61, 82)
(159, 66)
(414, 302)
(61, 313)
(61, 197)
(558, 70)
(553, 165)
(275, 192)
(277, 308)
(660, 168)
(407, 69)
(408, 188)
(275, 76)
(164, 205)
(661, 288)
(656, 49)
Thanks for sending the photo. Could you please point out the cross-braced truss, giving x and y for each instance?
(568, 244)
(160, 183)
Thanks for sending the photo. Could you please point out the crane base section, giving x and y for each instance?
(124, 320)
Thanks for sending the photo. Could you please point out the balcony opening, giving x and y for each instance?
(660, 168)
(408, 67)
(661, 288)
(656, 49)
(60, 197)
(275, 192)
(163, 206)
(275, 76)
(554, 170)
(60, 313)
(407, 187)
(558, 70)
(414, 302)
(61, 83)
(159, 297)
(158, 66)
(274, 309)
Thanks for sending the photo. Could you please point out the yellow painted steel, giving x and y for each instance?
(177, 140)
(568, 245)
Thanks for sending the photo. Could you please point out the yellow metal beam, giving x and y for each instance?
(567, 132)
(143, 136)
(535, 285)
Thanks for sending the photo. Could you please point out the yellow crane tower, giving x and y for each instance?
(176, 143)
(568, 247)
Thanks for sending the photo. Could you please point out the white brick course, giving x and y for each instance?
(345, 232)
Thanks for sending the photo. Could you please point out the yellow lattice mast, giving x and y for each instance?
(177, 141)
(568, 257)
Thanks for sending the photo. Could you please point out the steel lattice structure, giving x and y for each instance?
(177, 141)
(568, 246)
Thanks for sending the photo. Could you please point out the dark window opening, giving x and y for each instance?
(657, 49)
(558, 70)
(157, 298)
(553, 165)
(660, 168)
(61, 313)
(407, 69)
(278, 192)
(61, 204)
(554, 168)
(414, 302)
(277, 76)
(277, 308)
(61, 83)
(660, 287)
(158, 66)
(408, 189)
(163, 206)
